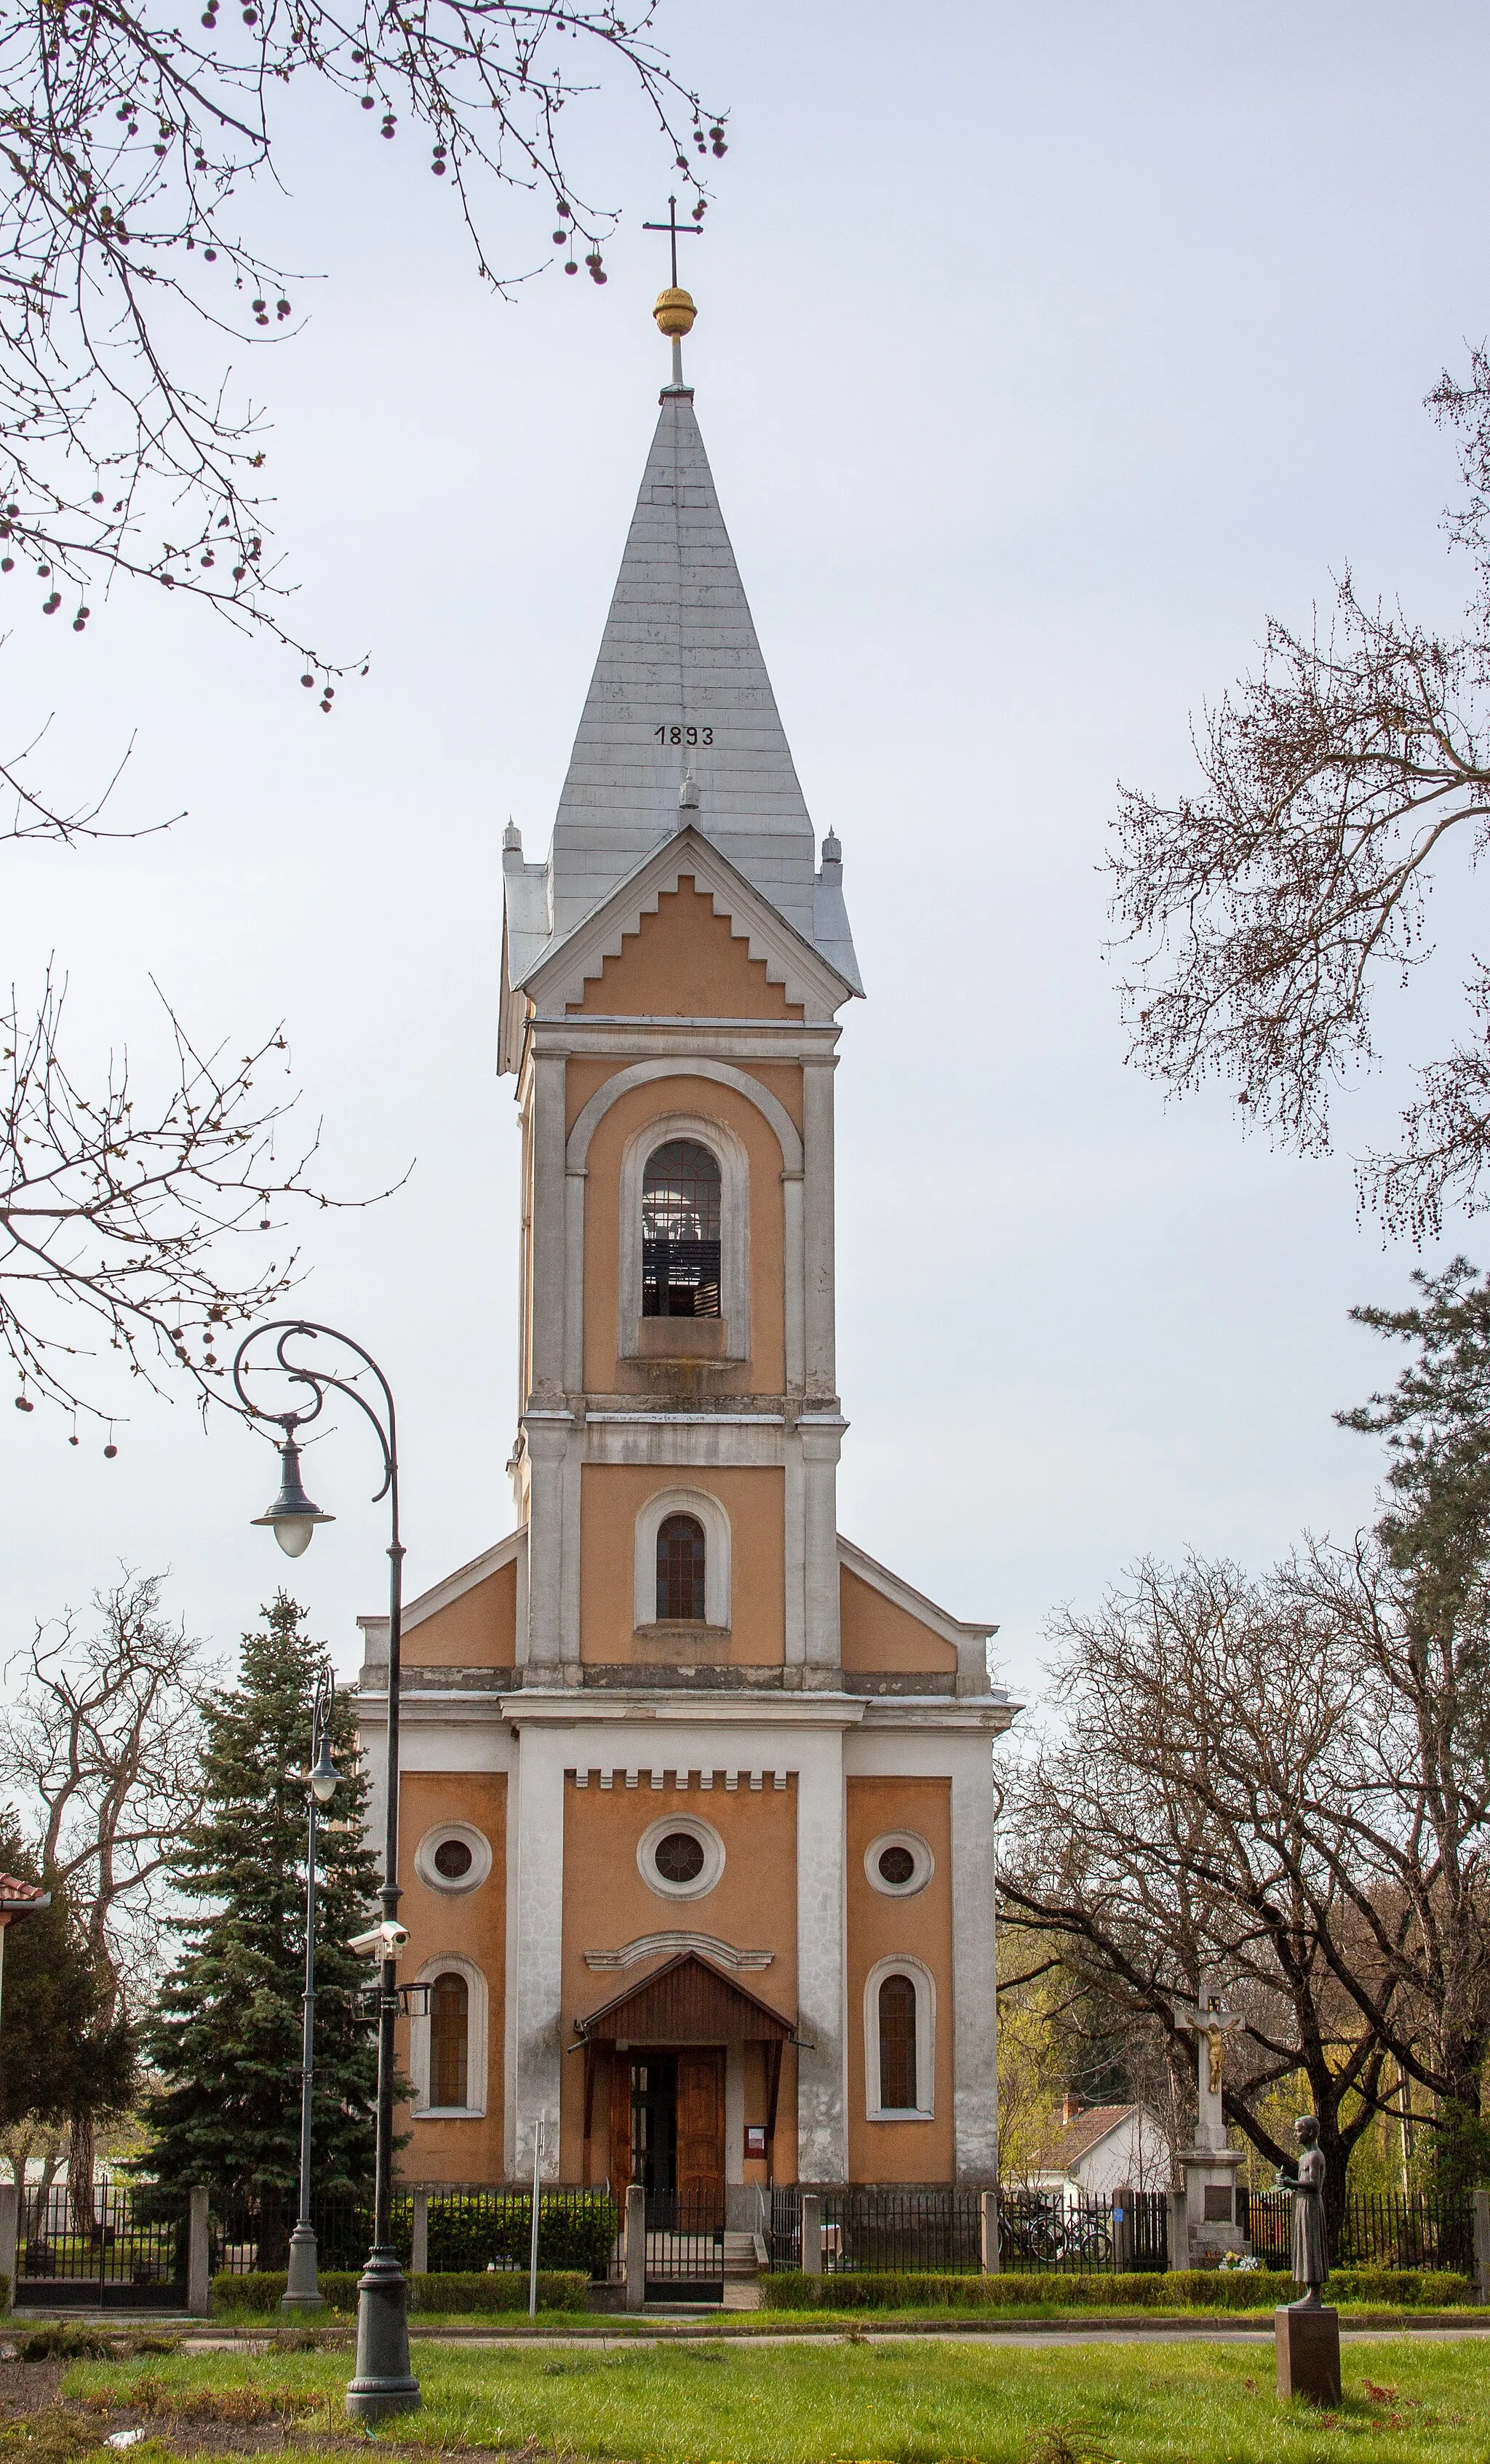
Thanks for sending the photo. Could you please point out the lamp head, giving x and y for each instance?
(323, 1774)
(293, 1516)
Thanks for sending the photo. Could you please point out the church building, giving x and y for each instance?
(697, 1797)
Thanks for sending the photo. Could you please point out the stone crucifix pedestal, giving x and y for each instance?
(1211, 2165)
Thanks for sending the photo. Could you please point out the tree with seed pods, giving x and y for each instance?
(132, 150)
(1261, 915)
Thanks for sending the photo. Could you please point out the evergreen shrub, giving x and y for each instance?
(260, 2294)
(1193, 2288)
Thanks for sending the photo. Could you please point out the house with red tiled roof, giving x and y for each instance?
(1098, 2148)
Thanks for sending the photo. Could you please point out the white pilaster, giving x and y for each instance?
(821, 2082)
(821, 1380)
(821, 1443)
(536, 1927)
(547, 1437)
(549, 1246)
(975, 2057)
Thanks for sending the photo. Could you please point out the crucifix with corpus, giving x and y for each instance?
(675, 312)
(1210, 2024)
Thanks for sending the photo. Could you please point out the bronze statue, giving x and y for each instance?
(1311, 2240)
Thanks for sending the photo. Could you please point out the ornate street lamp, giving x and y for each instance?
(302, 2292)
(383, 2382)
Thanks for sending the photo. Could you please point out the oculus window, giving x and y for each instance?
(681, 1213)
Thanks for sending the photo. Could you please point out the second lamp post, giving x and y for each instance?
(302, 2292)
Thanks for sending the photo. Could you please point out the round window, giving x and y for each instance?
(679, 1856)
(453, 1856)
(899, 1863)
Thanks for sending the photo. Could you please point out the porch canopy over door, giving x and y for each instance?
(686, 2001)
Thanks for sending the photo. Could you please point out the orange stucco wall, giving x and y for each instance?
(685, 962)
(584, 1073)
(882, 1928)
(469, 1924)
(612, 1495)
(765, 1370)
(752, 1907)
(877, 1635)
(479, 1630)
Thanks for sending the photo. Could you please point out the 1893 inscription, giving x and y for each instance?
(684, 735)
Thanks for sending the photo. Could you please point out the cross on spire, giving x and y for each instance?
(675, 231)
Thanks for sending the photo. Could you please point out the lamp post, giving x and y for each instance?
(383, 2382)
(302, 2292)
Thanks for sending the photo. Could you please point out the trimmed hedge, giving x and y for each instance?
(504, 2288)
(1206, 2288)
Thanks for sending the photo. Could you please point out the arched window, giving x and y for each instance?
(449, 2030)
(898, 2045)
(680, 1231)
(680, 1568)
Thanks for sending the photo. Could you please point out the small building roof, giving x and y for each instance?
(1069, 2142)
(688, 2001)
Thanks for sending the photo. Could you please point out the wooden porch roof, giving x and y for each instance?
(686, 2001)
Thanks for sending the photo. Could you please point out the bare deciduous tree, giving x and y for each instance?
(133, 145)
(101, 1748)
(116, 1213)
(1180, 1821)
(1261, 914)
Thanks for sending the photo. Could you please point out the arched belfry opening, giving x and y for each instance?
(682, 1206)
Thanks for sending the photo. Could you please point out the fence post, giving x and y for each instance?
(988, 2237)
(419, 2250)
(10, 2234)
(1123, 2229)
(1177, 2203)
(636, 2247)
(1482, 2245)
(199, 2255)
(812, 2233)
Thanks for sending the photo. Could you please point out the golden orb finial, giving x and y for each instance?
(674, 313)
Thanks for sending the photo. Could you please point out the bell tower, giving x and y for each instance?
(672, 980)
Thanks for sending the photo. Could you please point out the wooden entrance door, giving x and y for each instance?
(700, 2158)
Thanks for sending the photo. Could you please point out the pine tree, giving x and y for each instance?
(65, 2047)
(225, 2042)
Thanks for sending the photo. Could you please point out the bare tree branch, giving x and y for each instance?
(132, 147)
(116, 1217)
(1259, 916)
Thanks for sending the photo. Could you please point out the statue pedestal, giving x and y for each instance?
(1210, 2174)
(1308, 2355)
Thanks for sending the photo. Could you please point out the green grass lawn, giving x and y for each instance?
(917, 2404)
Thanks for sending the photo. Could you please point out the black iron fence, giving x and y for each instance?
(112, 2251)
(685, 2245)
(867, 2230)
(464, 2231)
(1379, 2229)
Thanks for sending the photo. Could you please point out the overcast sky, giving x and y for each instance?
(1042, 354)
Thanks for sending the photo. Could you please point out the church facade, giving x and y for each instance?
(697, 1797)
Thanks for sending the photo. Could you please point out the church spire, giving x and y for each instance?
(680, 693)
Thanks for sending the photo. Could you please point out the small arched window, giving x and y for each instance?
(681, 1208)
(449, 2033)
(680, 1568)
(898, 2045)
